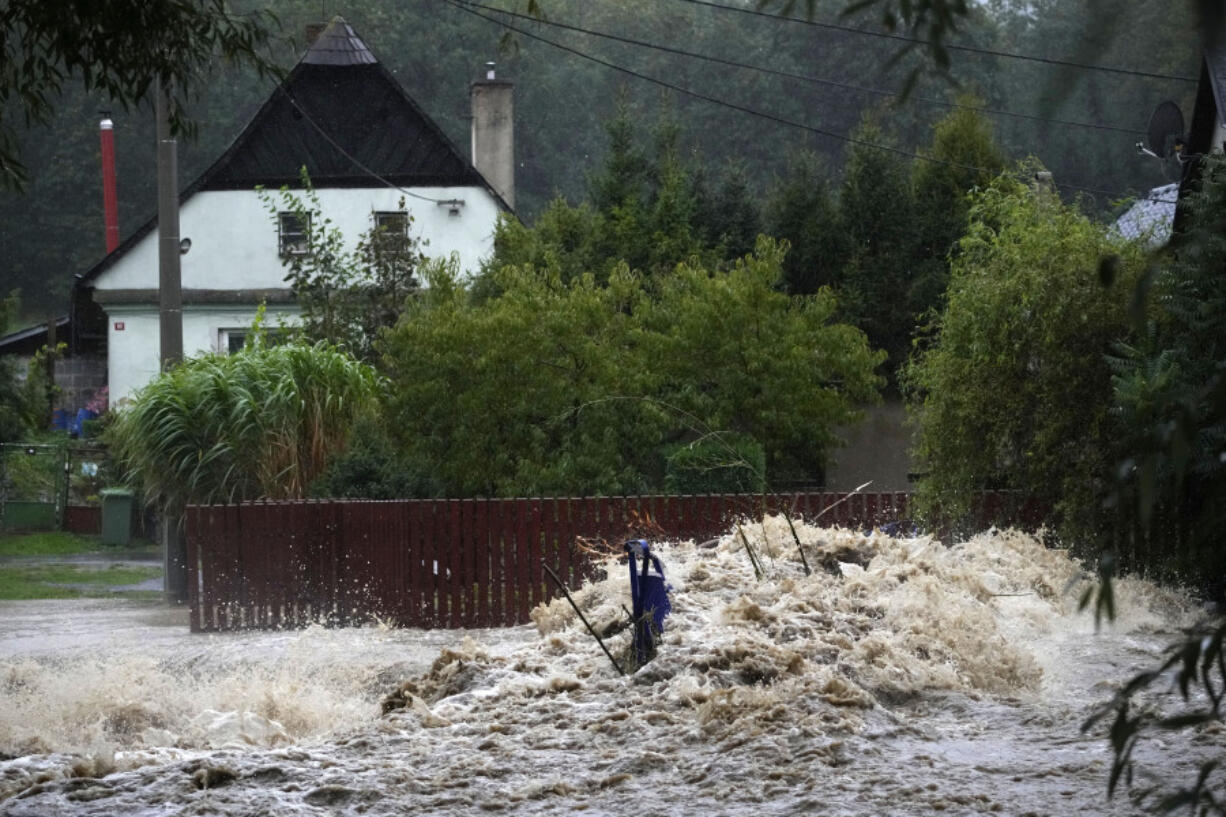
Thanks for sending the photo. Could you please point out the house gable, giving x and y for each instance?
(342, 115)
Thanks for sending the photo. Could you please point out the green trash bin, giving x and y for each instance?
(116, 516)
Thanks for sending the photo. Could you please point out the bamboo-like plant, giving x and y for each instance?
(261, 423)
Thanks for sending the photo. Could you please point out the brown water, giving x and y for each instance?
(905, 678)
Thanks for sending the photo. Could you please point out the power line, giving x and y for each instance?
(800, 77)
(459, 4)
(328, 138)
(462, 6)
(969, 49)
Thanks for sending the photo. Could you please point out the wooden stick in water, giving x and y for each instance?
(804, 561)
(583, 618)
(753, 558)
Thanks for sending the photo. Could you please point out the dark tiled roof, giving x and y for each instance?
(342, 115)
(338, 45)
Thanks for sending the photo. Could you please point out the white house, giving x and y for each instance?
(366, 145)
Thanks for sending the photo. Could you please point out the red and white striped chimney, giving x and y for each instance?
(110, 204)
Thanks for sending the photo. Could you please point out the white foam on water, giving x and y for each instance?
(901, 677)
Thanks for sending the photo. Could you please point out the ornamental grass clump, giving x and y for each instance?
(261, 423)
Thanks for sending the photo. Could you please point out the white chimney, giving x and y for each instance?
(493, 135)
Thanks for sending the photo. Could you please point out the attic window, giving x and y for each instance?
(392, 229)
(294, 234)
(392, 222)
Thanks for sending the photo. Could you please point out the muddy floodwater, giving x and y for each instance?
(903, 677)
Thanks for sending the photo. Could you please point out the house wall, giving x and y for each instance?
(235, 240)
(877, 449)
(235, 246)
(79, 378)
(134, 351)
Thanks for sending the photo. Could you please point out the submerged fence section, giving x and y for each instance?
(456, 563)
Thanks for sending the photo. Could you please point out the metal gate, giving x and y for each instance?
(41, 482)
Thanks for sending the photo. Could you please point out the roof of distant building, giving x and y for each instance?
(1150, 218)
(29, 340)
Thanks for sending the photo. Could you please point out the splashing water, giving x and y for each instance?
(901, 677)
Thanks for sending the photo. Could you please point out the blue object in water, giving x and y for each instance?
(902, 528)
(649, 598)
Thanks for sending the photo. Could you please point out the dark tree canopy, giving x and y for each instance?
(119, 48)
(434, 49)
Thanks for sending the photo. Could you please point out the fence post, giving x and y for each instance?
(194, 531)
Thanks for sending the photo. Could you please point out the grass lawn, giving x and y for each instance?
(20, 579)
(57, 581)
(60, 543)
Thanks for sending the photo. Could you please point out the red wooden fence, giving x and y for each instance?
(83, 519)
(454, 562)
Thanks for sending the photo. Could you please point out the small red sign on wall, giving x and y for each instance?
(118, 326)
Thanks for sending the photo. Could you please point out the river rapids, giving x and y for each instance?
(903, 676)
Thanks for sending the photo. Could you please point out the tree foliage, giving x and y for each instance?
(879, 218)
(39, 392)
(963, 157)
(347, 294)
(1170, 394)
(12, 405)
(721, 463)
(371, 467)
(744, 356)
(648, 209)
(573, 385)
(1014, 389)
(803, 210)
(533, 392)
(929, 23)
(118, 48)
(261, 423)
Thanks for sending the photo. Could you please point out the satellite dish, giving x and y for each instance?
(1165, 126)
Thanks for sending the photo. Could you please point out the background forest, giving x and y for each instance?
(819, 85)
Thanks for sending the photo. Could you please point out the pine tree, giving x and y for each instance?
(802, 210)
(962, 157)
(878, 212)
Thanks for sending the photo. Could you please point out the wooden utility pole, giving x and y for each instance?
(170, 288)
(170, 319)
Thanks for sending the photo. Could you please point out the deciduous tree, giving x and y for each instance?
(347, 293)
(119, 48)
(575, 386)
(1014, 389)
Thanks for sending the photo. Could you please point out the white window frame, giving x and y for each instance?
(228, 336)
(292, 234)
(388, 219)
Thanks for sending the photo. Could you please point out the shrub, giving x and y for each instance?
(1014, 390)
(263, 422)
(719, 464)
